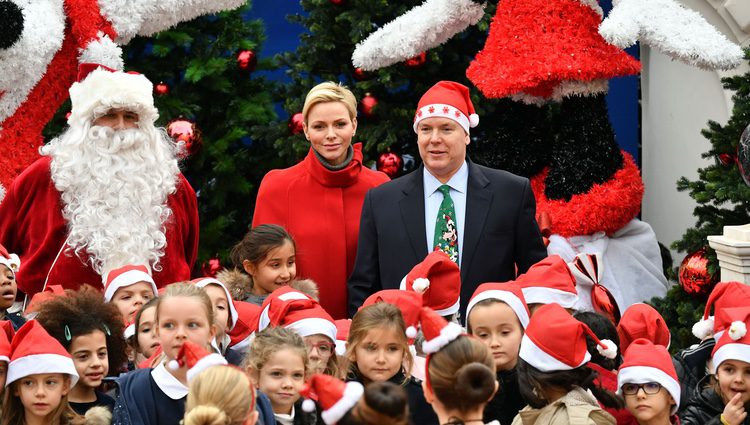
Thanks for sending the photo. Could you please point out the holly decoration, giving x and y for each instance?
(368, 104)
(185, 131)
(161, 89)
(295, 123)
(417, 61)
(390, 163)
(247, 60)
(695, 279)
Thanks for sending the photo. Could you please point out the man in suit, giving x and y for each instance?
(485, 221)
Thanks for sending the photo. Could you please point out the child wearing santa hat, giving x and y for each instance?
(497, 314)
(6, 336)
(726, 398)
(438, 279)
(552, 372)
(92, 333)
(347, 403)
(128, 288)
(40, 375)
(378, 350)
(648, 381)
(549, 281)
(9, 265)
(225, 314)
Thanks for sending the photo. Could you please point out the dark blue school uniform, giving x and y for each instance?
(101, 400)
(420, 411)
(149, 396)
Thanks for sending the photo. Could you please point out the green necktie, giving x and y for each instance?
(446, 232)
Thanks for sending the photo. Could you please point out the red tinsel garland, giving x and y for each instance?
(606, 207)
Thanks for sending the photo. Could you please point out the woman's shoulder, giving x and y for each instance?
(279, 175)
(373, 177)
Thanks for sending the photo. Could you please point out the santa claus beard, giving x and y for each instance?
(114, 187)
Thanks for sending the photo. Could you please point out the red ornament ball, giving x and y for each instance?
(211, 267)
(390, 163)
(367, 105)
(295, 123)
(337, 2)
(185, 131)
(161, 89)
(417, 61)
(727, 159)
(247, 60)
(360, 74)
(694, 276)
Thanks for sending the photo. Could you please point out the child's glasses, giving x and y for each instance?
(324, 348)
(648, 388)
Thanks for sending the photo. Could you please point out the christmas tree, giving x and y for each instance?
(203, 73)
(723, 200)
(387, 97)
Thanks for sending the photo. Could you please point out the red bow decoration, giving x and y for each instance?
(588, 267)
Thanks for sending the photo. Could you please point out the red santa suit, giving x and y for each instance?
(320, 208)
(32, 225)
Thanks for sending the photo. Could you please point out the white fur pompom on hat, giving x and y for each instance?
(607, 348)
(737, 330)
(420, 285)
(703, 328)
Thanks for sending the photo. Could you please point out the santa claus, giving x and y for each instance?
(106, 193)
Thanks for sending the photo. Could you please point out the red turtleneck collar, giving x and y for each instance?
(339, 178)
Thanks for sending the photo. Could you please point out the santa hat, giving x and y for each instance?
(438, 279)
(642, 321)
(205, 281)
(555, 341)
(342, 335)
(508, 292)
(241, 336)
(734, 344)
(447, 99)
(126, 276)
(648, 362)
(34, 351)
(724, 295)
(437, 331)
(196, 358)
(335, 396)
(100, 88)
(292, 309)
(549, 281)
(129, 330)
(11, 261)
(409, 302)
(49, 292)
(6, 336)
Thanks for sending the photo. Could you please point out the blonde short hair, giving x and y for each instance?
(330, 92)
(220, 394)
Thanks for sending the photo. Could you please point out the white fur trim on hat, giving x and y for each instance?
(265, 320)
(4, 359)
(704, 328)
(535, 356)
(352, 393)
(340, 347)
(643, 374)
(129, 331)
(102, 90)
(41, 363)
(130, 277)
(507, 297)
(440, 110)
(542, 295)
(450, 332)
(212, 359)
(737, 330)
(103, 51)
(730, 351)
(313, 326)
(450, 310)
(202, 283)
(12, 262)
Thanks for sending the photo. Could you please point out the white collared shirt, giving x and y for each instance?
(168, 384)
(433, 198)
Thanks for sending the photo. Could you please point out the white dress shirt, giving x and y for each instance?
(433, 198)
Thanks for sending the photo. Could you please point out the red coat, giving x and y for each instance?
(320, 208)
(32, 226)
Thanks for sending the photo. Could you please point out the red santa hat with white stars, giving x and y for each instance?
(196, 358)
(125, 276)
(34, 351)
(335, 396)
(447, 99)
(438, 279)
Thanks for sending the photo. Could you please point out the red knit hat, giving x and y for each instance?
(295, 310)
(734, 344)
(409, 302)
(205, 281)
(648, 362)
(437, 331)
(508, 292)
(6, 336)
(724, 295)
(34, 351)
(549, 281)
(438, 279)
(447, 99)
(126, 276)
(335, 396)
(10, 261)
(642, 321)
(241, 336)
(555, 341)
(196, 358)
(342, 335)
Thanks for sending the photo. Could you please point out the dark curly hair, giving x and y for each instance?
(84, 311)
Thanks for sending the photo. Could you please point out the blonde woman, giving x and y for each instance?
(319, 200)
